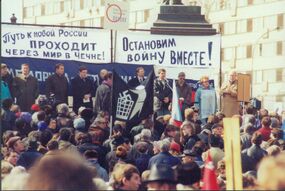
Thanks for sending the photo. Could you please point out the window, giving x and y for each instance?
(61, 6)
(43, 9)
(49, 8)
(241, 26)
(257, 24)
(222, 28)
(28, 12)
(56, 7)
(81, 4)
(279, 75)
(82, 23)
(146, 15)
(88, 3)
(249, 25)
(67, 5)
(228, 53)
(269, 49)
(242, 3)
(279, 48)
(270, 22)
(280, 20)
(241, 52)
(248, 51)
(230, 27)
(38, 10)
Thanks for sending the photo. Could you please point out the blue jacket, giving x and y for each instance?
(163, 158)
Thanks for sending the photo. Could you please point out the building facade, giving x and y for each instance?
(253, 35)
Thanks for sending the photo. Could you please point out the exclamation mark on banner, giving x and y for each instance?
(103, 57)
(210, 52)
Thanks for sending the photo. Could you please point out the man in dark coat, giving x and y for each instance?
(25, 88)
(162, 94)
(136, 81)
(82, 90)
(57, 85)
(184, 92)
(103, 95)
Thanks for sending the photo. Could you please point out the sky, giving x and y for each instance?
(8, 7)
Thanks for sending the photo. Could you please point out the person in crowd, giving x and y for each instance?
(184, 92)
(230, 105)
(71, 173)
(92, 157)
(265, 129)
(188, 135)
(12, 157)
(270, 174)
(6, 82)
(188, 156)
(16, 144)
(65, 136)
(29, 157)
(83, 90)
(57, 85)
(138, 80)
(186, 182)
(6, 76)
(216, 153)
(245, 138)
(103, 95)
(125, 177)
(253, 155)
(162, 94)
(163, 157)
(192, 116)
(102, 75)
(175, 149)
(205, 99)
(25, 88)
(161, 177)
(8, 117)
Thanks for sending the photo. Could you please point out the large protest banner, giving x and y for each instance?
(165, 50)
(87, 45)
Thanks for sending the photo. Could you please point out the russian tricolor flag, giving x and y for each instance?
(176, 109)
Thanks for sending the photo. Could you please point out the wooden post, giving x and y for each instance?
(232, 153)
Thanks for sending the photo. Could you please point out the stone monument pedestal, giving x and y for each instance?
(181, 20)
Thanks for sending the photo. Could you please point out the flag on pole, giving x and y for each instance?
(132, 104)
(209, 179)
(176, 109)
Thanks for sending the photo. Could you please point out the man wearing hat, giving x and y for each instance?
(161, 177)
(188, 156)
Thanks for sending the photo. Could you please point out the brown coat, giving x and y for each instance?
(230, 105)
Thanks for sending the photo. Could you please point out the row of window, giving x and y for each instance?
(251, 51)
(226, 4)
(51, 8)
(251, 24)
(272, 75)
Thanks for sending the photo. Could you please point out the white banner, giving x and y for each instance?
(165, 50)
(87, 45)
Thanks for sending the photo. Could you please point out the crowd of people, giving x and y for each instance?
(46, 145)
